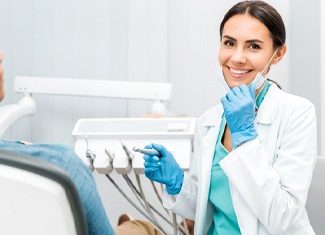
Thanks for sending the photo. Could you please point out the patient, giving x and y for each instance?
(64, 157)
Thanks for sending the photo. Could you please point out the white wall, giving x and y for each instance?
(322, 86)
(305, 55)
(114, 40)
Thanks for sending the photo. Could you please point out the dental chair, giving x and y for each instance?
(316, 198)
(37, 198)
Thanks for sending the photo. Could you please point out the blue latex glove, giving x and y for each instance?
(239, 108)
(164, 169)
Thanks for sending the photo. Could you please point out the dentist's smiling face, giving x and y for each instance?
(245, 49)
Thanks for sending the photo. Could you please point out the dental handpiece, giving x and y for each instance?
(127, 151)
(146, 151)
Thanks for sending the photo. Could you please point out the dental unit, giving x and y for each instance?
(108, 145)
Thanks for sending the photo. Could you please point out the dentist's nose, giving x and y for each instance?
(238, 57)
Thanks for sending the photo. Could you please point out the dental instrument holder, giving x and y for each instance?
(103, 163)
(105, 135)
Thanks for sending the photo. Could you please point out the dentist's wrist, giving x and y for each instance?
(177, 183)
(240, 137)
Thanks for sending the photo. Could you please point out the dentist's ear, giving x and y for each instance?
(281, 51)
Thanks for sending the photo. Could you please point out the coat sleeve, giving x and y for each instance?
(277, 192)
(183, 204)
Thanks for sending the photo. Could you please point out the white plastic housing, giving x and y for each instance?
(176, 134)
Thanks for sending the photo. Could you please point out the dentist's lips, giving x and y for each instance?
(238, 73)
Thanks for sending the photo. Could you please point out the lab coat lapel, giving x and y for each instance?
(212, 124)
(268, 111)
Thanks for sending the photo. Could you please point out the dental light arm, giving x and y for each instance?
(96, 88)
(12, 112)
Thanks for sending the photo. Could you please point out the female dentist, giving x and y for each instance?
(255, 152)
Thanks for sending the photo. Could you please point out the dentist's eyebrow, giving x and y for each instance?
(247, 41)
(254, 41)
(228, 37)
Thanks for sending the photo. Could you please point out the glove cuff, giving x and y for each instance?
(240, 137)
(176, 187)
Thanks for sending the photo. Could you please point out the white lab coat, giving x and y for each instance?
(269, 176)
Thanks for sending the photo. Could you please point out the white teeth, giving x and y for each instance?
(238, 71)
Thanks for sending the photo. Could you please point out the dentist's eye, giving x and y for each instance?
(254, 46)
(229, 43)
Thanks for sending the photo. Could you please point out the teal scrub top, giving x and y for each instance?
(224, 217)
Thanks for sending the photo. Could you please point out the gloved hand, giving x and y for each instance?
(164, 169)
(239, 108)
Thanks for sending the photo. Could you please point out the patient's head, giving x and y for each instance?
(2, 92)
